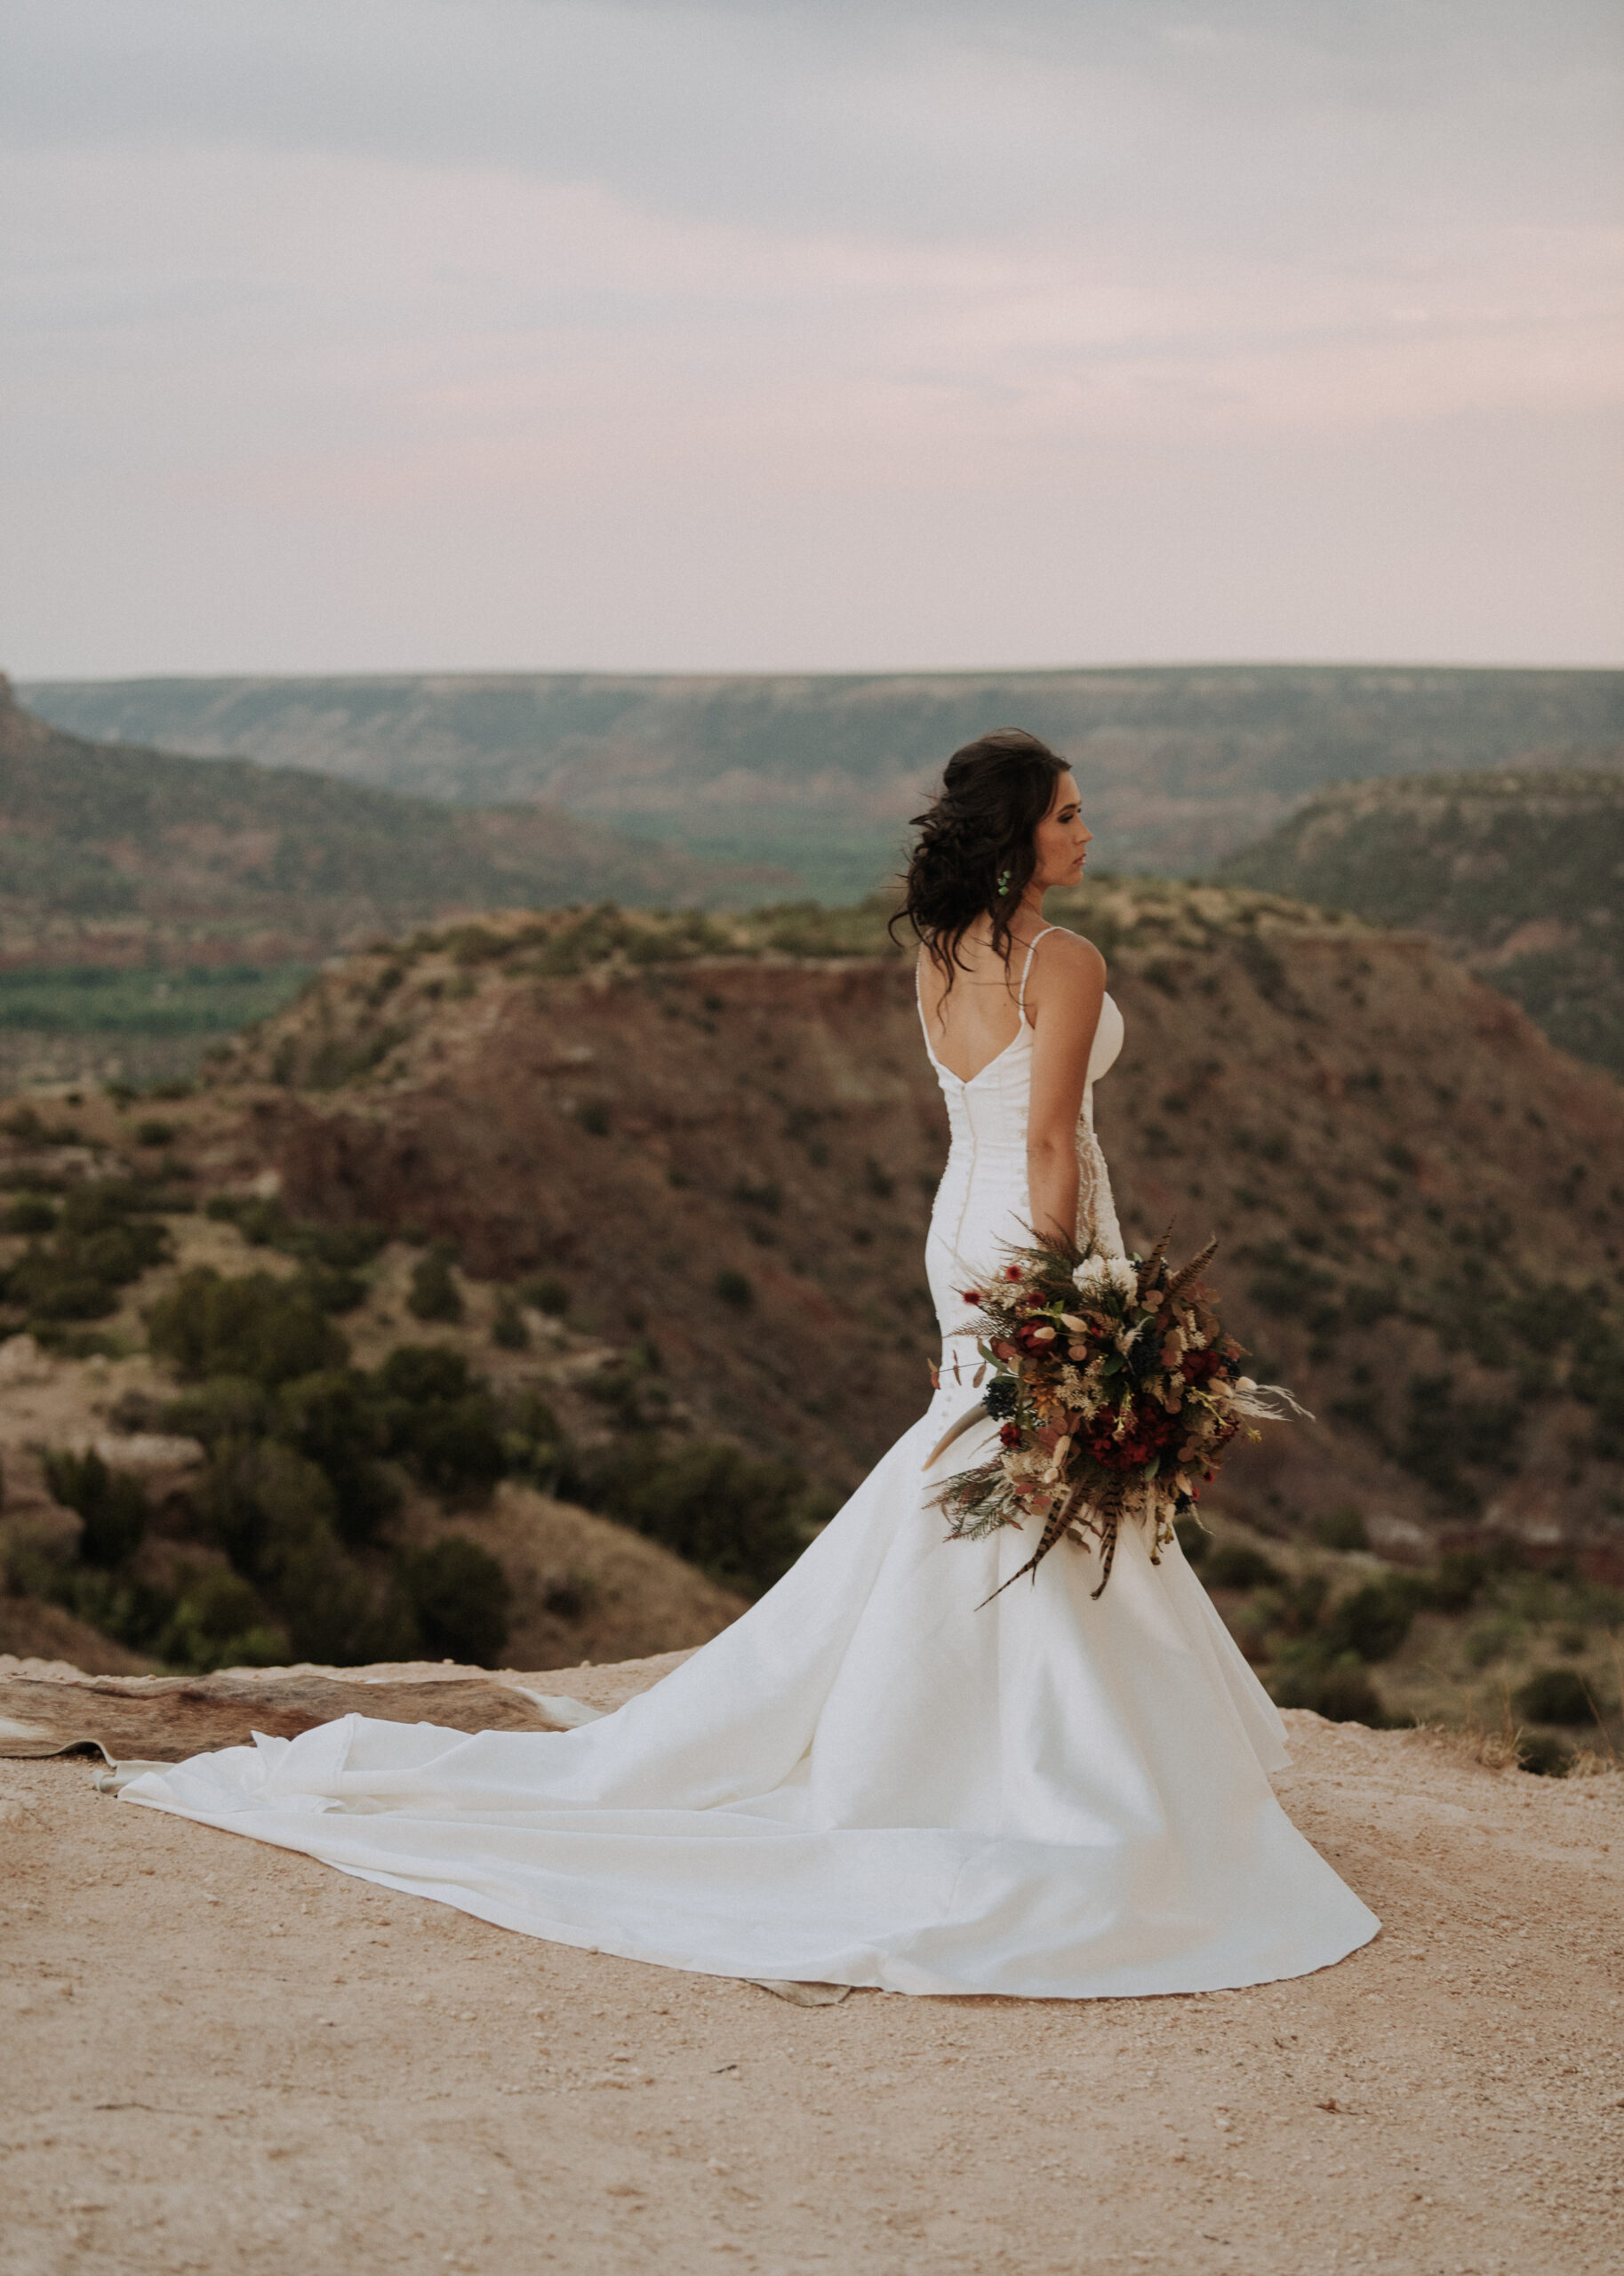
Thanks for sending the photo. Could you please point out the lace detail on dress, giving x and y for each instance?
(1096, 1204)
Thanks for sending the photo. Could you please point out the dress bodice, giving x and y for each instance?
(983, 1205)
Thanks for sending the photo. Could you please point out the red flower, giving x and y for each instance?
(970, 1295)
(1010, 1435)
(1013, 1272)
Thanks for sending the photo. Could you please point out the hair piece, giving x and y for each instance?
(977, 846)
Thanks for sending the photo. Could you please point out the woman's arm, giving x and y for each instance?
(1064, 994)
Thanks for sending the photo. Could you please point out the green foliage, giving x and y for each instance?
(508, 1332)
(266, 1329)
(433, 1294)
(140, 1001)
(1342, 1528)
(32, 1214)
(111, 1503)
(438, 1418)
(103, 1241)
(334, 1420)
(1231, 1564)
(1374, 1621)
(461, 1598)
(739, 1519)
(219, 1622)
(548, 1293)
(1342, 1695)
(1555, 1695)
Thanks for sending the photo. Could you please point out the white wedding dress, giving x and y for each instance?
(867, 1780)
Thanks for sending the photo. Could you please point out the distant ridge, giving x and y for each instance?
(820, 771)
(1520, 874)
(103, 841)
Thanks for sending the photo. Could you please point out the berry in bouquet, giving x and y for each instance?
(1117, 1393)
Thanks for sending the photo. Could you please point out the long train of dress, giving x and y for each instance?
(867, 1780)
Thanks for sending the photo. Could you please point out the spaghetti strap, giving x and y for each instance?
(1020, 1003)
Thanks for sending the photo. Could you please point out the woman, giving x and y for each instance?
(867, 1780)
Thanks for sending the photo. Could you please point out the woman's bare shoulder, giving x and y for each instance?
(1070, 957)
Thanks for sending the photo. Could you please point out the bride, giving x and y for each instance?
(866, 1780)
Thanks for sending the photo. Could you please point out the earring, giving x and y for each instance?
(1004, 883)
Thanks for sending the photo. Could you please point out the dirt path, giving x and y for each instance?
(222, 2057)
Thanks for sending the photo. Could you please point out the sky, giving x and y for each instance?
(785, 335)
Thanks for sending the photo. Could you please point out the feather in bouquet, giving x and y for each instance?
(1118, 1392)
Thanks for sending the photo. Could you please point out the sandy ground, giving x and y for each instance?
(222, 2057)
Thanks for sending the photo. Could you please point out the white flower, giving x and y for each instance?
(1123, 1276)
(1090, 1273)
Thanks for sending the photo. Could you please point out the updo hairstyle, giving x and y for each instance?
(978, 835)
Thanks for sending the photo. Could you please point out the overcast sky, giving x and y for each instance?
(372, 334)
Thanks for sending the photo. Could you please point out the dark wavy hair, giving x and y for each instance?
(976, 849)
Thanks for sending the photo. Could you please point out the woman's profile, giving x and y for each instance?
(867, 1780)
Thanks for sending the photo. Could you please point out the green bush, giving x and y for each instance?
(255, 1326)
(32, 1214)
(1543, 1755)
(111, 1503)
(1374, 1621)
(508, 1332)
(1342, 1695)
(1344, 1528)
(433, 1294)
(739, 1519)
(1231, 1564)
(548, 1293)
(461, 1598)
(441, 1419)
(219, 1623)
(335, 1421)
(1555, 1695)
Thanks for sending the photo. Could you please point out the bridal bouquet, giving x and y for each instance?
(1118, 1392)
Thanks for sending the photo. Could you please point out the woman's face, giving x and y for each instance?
(1062, 840)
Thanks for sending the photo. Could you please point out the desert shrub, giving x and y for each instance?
(1456, 1579)
(1543, 1754)
(219, 1623)
(1374, 1621)
(417, 1372)
(1342, 1695)
(737, 1518)
(154, 1134)
(1555, 1695)
(265, 1225)
(274, 1514)
(32, 1214)
(461, 1598)
(734, 1288)
(333, 1421)
(548, 1293)
(508, 1332)
(102, 1243)
(226, 1406)
(433, 1294)
(267, 1329)
(111, 1503)
(1344, 1528)
(441, 1419)
(331, 1290)
(1233, 1565)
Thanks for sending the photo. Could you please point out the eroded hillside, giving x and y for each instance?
(724, 1143)
(1520, 875)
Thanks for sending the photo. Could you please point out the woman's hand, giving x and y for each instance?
(1064, 993)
